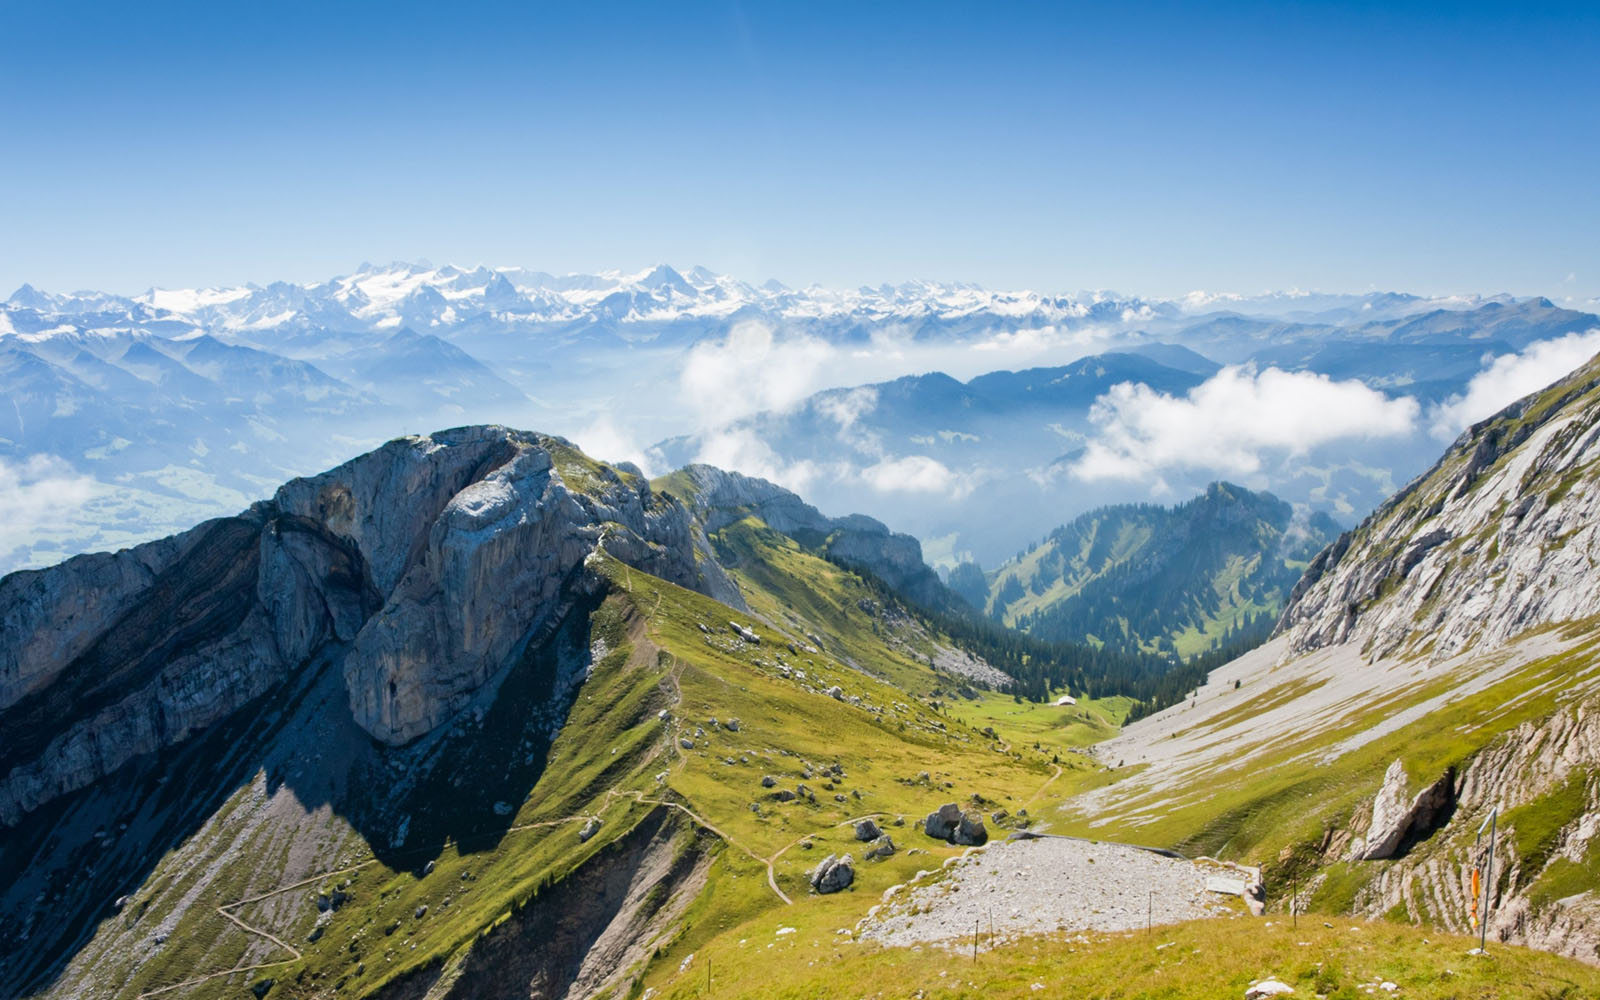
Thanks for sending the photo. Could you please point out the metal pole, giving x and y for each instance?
(1488, 880)
(1294, 899)
(974, 941)
(1149, 913)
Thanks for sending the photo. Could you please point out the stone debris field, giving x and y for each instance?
(1043, 885)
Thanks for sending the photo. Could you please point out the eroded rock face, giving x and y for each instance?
(1499, 537)
(1429, 882)
(1395, 814)
(425, 566)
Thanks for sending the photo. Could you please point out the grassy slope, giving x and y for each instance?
(608, 757)
(614, 756)
(1198, 960)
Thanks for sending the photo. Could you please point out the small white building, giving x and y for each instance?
(1066, 699)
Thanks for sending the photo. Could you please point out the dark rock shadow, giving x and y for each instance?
(66, 865)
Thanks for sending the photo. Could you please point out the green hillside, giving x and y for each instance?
(1184, 579)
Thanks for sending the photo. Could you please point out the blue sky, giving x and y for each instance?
(1153, 149)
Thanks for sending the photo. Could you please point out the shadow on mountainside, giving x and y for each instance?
(67, 864)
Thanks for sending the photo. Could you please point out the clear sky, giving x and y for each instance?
(1148, 148)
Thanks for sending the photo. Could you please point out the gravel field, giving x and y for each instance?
(1049, 884)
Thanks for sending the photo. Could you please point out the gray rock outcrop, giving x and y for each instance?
(1395, 814)
(833, 874)
(867, 829)
(425, 565)
(1499, 537)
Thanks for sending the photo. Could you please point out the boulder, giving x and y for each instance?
(942, 823)
(970, 831)
(783, 795)
(768, 781)
(833, 874)
(867, 829)
(950, 824)
(881, 848)
(589, 829)
(836, 693)
(1267, 988)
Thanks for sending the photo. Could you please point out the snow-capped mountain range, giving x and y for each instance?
(128, 417)
(421, 296)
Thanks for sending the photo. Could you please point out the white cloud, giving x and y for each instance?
(1231, 422)
(846, 407)
(37, 493)
(914, 474)
(605, 440)
(741, 450)
(749, 370)
(1508, 377)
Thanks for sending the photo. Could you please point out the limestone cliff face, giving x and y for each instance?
(1500, 536)
(1517, 774)
(424, 566)
(720, 498)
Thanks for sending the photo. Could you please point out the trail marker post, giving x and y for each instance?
(1493, 823)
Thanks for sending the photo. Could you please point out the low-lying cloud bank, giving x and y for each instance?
(37, 493)
(1232, 423)
(1506, 378)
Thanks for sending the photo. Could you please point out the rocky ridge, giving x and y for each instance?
(425, 567)
(720, 498)
(1498, 537)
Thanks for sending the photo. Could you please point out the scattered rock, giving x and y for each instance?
(768, 781)
(733, 725)
(420, 911)
(427, 869)
(836, 693)
(589, 829)
(833, 874)
(784, 795)
(502, 809)
(686, 743)
(867, 829)
(881, 848)
(746, 634)
(1267, 988)
(261, 987)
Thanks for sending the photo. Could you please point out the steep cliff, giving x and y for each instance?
(423, 568)
(1438, 663)
(1500, 536)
